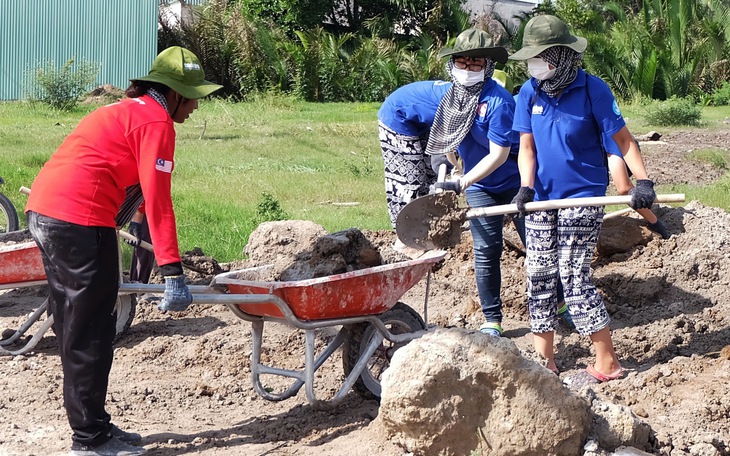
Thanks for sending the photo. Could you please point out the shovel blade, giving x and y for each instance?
(431, 222)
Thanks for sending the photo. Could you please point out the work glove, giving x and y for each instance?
(135, 229)
(524, 195)
(177, 296)
(450, 186)
(642, 196)
(659, 228)
(438, 160)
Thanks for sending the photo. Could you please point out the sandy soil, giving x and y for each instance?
(183, 380)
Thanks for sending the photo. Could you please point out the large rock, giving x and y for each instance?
(454, 391)
(615, 425)
(621, 234)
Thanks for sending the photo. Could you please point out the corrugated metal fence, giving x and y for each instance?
(118, 35)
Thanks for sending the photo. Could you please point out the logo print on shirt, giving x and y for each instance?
(482, 110)
(163, 165)
(616, 110)
(537, 110)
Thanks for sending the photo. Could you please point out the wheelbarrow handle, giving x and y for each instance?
(144, 244)
(568, 202)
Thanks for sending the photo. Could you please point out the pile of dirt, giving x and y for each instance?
(103, 94)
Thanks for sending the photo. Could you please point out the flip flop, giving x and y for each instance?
(590, 376)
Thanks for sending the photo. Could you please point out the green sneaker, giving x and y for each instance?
(491, 329)
(565, 316)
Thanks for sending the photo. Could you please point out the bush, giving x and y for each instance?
(269, 209)
(62, 87)
(674, 111)
(721, 95)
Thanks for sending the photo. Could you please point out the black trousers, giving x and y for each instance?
(82, 268)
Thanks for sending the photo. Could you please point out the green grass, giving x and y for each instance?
(307, 156)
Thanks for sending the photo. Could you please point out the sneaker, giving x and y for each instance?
(491, 329)
(114, 447)
(565, 316)
(659, 228)
(128, 437)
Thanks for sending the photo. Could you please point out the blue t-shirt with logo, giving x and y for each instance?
(567, 131)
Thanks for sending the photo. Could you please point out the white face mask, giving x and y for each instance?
(539, 69)
(467, 78)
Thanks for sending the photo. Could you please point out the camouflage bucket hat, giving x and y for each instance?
(543, 32)
(180, 70)
(475, 43)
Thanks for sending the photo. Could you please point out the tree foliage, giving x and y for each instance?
(363, 49)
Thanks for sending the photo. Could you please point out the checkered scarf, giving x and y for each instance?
(455, 113)
(566, 62)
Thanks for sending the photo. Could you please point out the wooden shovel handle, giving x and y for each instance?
(568, 202)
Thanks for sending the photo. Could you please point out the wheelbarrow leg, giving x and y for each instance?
(28, 323)
(311, 366)
(36, 337)
(257, 331)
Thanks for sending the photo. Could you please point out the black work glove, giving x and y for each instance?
(642, 196)
(659, 228)
(450, 186)
(135, 229)
(524, 195)
(177, 296)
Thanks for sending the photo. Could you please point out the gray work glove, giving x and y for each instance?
(524, 195)
(642, 196)
(177, 296)
(135, 229)
(450, 186)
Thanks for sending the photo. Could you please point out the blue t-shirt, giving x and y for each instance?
(568, 132)
(410, 109)
(493, 122)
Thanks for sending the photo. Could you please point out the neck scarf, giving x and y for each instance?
(455, 113)
(566, 62)
(158, 97)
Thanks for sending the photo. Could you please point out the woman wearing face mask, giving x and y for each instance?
(475, 118)
(561, 114)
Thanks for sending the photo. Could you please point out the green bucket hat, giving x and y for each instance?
(180, 70)
(475, 43)
(543, 32)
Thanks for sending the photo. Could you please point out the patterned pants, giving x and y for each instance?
(560, 246)
(408, 172)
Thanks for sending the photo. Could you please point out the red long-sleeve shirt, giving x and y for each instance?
(113, 147)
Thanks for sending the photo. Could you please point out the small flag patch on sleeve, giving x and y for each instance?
(163, 165)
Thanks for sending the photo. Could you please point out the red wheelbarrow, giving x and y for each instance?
(364, 304)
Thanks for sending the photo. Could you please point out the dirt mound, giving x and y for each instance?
(103, 94)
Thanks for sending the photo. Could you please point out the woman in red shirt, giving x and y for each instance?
(71, 215)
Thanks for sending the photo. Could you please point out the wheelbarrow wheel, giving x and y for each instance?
(8, 215)
(400, 319)
(124, 311)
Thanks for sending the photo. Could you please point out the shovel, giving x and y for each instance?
(434, 221)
